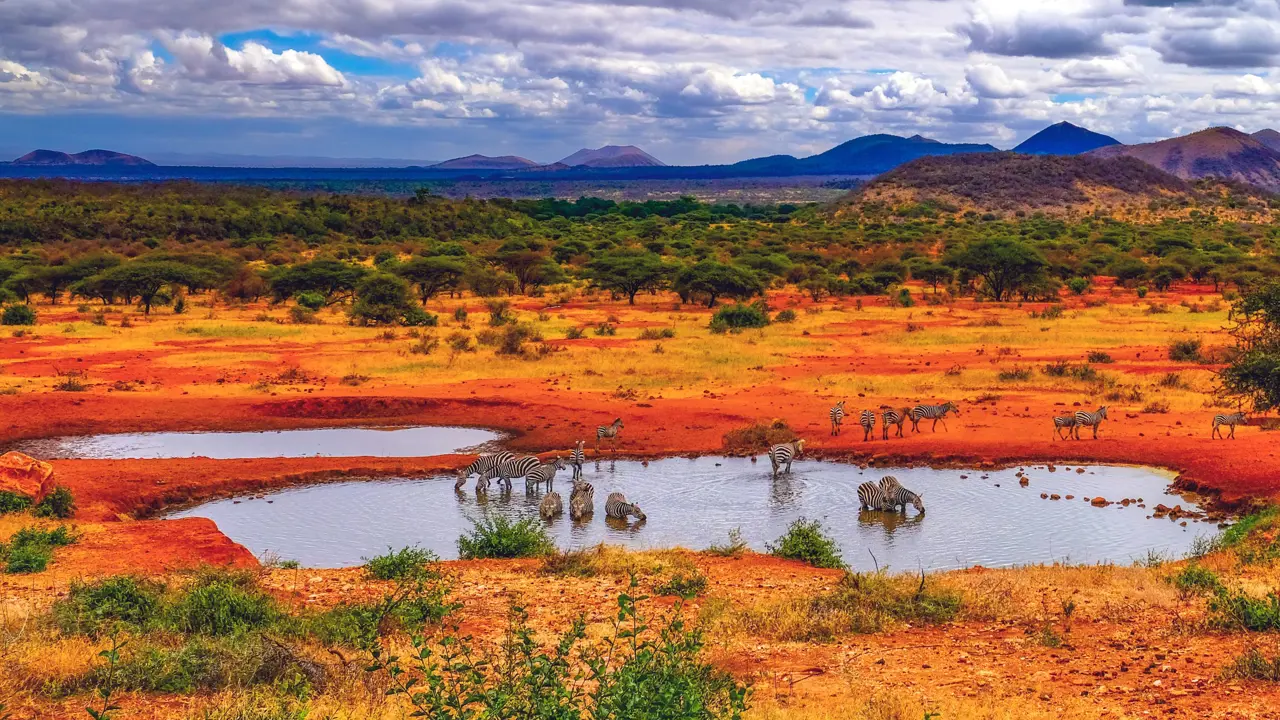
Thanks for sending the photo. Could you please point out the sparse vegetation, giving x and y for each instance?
(806, 541)
(496, 536)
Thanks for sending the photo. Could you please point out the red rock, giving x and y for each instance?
(26, 476)
(1099, 502)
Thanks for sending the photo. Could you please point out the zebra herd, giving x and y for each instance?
(891, 416)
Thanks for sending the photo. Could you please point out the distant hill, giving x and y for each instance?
(1217, 152)
(1064, 139)
(867, 155)
(234, 160)
(45, 158)
(612, 156)
(1009, 182)
(1268, 137)
(484, 162)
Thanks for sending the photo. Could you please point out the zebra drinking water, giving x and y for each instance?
(481, 465)
(872, 497)
(868, 422)
(837, 417)
(545, 473)
(932, 412)
(1067, 422)
(1090, 420)
(894, 416)
(609, 431)
(577, 458)
(890, 485)
(1230, 420)
(581, 501)
(782, 455)
(515, 468)
(551, 506)
(618, 508)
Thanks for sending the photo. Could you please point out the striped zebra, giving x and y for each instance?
(837, 417)
(482, 464)
(868, 422)
(872, 497)
(1090, 420)
(581, 501)
(618, 508)
(890, 485)
(609, 431)
(1067, 422)
(544, 473)
(515, 468)
(931, 412)
(551, 506)
(576, 458)
(782, 455)
(1231, 420)
(897, 495)
(894, 416)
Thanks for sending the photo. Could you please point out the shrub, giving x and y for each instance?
(513, 337)
(1253, 665)
(1078, 285)
(499, 312)
(205, 664)
(11, 502)
(18, 315)
(1236, 610)
(685, 585)
(460, 342)
(1156, 407)
(1185, 350)
(409, 562)
(180, 305)
(718, 326)
(606, 329)
(70, 381)
(657, 333)
(735, 547)
(496, 536)
(1015, 374)
(1142, 291)
(575, 333)
(1195, 580)
(758, 436)
(93, 607)
(310, 300)
(1053, 312)
(1172, 381)
(738, 316)
(415, 316)
(806, 541)
(1098, 356)
(1063, 368)
(426, 345)
(57, 504)
(221, 603)
(460, 315)
(786, 316)
(300, 315)
(30, 550)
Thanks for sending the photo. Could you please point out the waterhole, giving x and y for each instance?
(972, 517)
(321, 442)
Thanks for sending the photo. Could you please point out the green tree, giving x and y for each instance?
(383, 299)
(1254, 372)
(144, 280)
(432, 275)
(530, 268)
(1004, 264)
(931, 272)
(713, 280)
(628, 272)
(334, 279)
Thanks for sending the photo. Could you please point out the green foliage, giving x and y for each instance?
(785, 316)
(30, 550)
(1004, 264)
(575, 333)
(685, 585)
(1078, 285)
(11, 502)
(333, 280)
(202, 663)
(18, 315)
(713, 280)
(1142, 291)
(92, 608)
(735, 546)
(737, 317)
(310, 300)
(1196, 579)
(433, 275)
(1186, 350)
(383, 299)
(407, 562)
(1014, 374)
(628, 272)
(220, 604)
(657, 333)
(496, 536)
(806, 541)
(1238, 610)
(1100, 357)
(59, 503)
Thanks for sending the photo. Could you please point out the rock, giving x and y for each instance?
(1025, 481)
(1071, 497)
(1044, 496)
(24, 475)
(1099, 502)
(1055, 497)
(1079, 471)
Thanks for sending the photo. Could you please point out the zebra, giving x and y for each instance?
(1065, 421)
(514, 468)
(545, 472)
(868, 422)
(872, 497)
(1090, 420)
(902, 496)
(890, 485)
(1232, 420)
(780, 455)
(618, 508)
(481, 465)
(609, 431)
(837, 417)
(551, 506)
(581, 501)
(576, 458)
(894, 416)
(931, 412)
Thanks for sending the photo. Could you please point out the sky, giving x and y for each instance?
(690, 81)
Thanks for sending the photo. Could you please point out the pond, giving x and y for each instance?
(973, 517)
(321, 442)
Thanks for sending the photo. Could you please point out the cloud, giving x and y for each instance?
(1237, 43)
(1098, 72)
(14, 78)
(1040, 29)
(203, 58)
(990, 81)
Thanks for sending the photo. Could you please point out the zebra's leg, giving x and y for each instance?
(1233, 431)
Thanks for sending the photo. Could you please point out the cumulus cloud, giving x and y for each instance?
(990, 81)
(1041, 28)
(1236, 43)
(203, 58)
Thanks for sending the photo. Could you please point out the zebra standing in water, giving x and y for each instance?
(1230, 420)
(782, 455)
(1090, 420)
(618, 508)
(897, 495)
(581, 501)
(868, 422)
(482, 464)
(610, 431)
(545, 473)
(837, 417)
(1067, 422)
(551, 506)
(932, 412)
(872, 497)
(576, 458)
(515, 468)
(894, 416)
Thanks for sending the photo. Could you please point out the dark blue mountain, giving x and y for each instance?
(1064, 139)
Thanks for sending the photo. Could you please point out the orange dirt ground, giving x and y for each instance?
(1109, 667)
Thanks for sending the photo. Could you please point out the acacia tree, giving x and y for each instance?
(713, 280)
(628, 272)
(431, 275)
(530, 268)
(145, 280)
(1254, 372)
(333, 279)
(1004, 264)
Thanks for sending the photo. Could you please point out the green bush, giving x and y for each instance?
(1078, 285)
(806, 541)
(1142, 291)
(496, 536)
(221, 603)
(657, 333)
(18, 315)
(409, 562)
(57, 504)
(310, 300)
(735, 547)
(11, 502)
(904, 298)
(460, 315)
(684, 585)
(203, 664)
(1185, 350)
(93, 607)
(1195, 580)
(1100, 357)
(606, 329)
(737, 317)
(786, 316)
(1236, 610)
(1014, 374)
(299, 315)
(574, 333)
(30, 550)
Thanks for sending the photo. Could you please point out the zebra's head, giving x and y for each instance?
(953, 408)
(635, 510)
(918, 503)
(1102, 412)
(617, 422)
(799, 446)
(840, 405)
(558, 462)
(462, 480)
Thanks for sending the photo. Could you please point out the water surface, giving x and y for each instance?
(983, 519)
(321, 442)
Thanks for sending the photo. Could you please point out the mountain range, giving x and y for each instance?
(47, 158)
(1216, 152)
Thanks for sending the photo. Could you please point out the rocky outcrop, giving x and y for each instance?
(24, 475)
